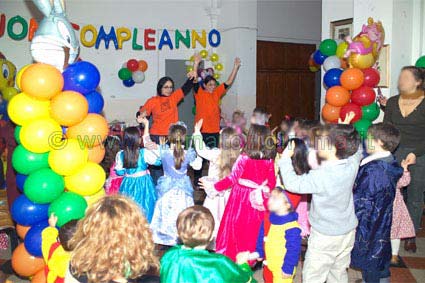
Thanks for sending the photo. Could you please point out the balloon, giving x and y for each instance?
(87, 181)
(143, 66)
(27, 213)
(8, 93)
(337, 96)
(91, 131)
(138, 77)
(420, 62)
(23, 109)
(69, 159)
(94, 198)
(313, 69)
(331, 77)
(124, 74)
(318, 57)
(214, 57)
(370, 112)
(69, 108)
(25, 264)
(97, 153)
(362, 126)
(82, 77)
(203, 53)
(328, 47)
(128, 83)
(20, 181)
(22, 230)
(39, 277)
(332, 62)
(330, 113)
(132, 65)
(341, 49)
(351, 107)
(16, 134)
(41, 135)
(19, 75)
(352, 78)
(344, 63)
(371, 77)
(67, 207)
(25, 161)
(361, 61)
(194, 110)
(219, 67)
(189, 68)
(42, 81)
(32, 240)
(95, 101)
(44, 186)
(216, 76)
(363, 96)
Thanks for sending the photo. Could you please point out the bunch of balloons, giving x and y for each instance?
(330, 55)
(58, 173)
(133, 72)
(211, 67)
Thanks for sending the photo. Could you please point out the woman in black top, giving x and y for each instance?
(406, 111)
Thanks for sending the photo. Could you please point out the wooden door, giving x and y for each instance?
(285, 85)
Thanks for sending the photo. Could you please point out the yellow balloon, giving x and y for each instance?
(341, 49)
(41, 135)
(189, 69)
(19, 75)
(214, 57)
(361, 61)
(23, 109)
(203, 53)
(87, 181)
(69, 159)
(192, 58)
(9, 92)
(219, 67)
(94, 198)
(216, 76)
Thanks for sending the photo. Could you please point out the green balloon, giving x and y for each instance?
(43, 186)
(370, 112)
(362, 126)
(124, 74)
(328, 47)
(420, 62)
(68, 206)
(26, 162)
(16, 134)
(194, 110)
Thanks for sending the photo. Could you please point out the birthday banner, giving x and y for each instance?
(141, 39)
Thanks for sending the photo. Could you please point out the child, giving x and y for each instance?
(332, 216)
(260, 117)
(245, 209)
(283, 135)
(221, 162)
(132, 163)
(175, 190)
(191, 262)
(374, 193)
(279, 239)
(239, 124)
(113, 182)
(56, 253)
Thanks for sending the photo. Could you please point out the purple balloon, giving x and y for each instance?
(27, 213)
(82, 77)
(95, 101)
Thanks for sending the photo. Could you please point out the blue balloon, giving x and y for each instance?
(82, 77)
(128, 83)
(319, 58)
(32, 239)
(95, 101)
(27, 213)
(331, 78)
(20, 181)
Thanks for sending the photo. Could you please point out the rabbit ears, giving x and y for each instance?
(49, 6)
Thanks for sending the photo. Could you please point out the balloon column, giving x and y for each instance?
(57, 173)
(351, 89)
(133, 72)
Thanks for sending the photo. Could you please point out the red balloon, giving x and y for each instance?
(330, 113)
(371, 77)
(337, 96)
(133, 65)
(351, 107)
(363, 96)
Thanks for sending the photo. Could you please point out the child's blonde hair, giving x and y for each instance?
(195, 226)
(113, 240)
(230, 145)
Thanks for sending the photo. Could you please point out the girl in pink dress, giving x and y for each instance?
(113, 182)
(245, 208)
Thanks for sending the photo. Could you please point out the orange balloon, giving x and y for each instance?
(25, 264)
(337, 96)
(330, 113)
(97, 153)
(91, 131)
(143, 65)
(352, 78)
(69, 108)
(22, 230)
(39, 277)
(42, 81)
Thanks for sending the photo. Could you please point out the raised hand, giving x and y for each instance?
(198, 125)
(53, 220)
(237, 62)
(348, 118)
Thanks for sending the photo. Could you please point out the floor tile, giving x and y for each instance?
(402, 275)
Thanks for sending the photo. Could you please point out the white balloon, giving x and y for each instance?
(138, 77)
(332, 62)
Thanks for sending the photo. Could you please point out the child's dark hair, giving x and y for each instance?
(418, 73)
(259, 110)
(387, 134)
(66, 232)
(177, 137)
(112, 145)
(162, 81)
(260, 143)
(208, 79)
(131, 146)
(344, 137)
(300, 157)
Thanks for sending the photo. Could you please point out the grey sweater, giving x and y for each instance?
(331, 185)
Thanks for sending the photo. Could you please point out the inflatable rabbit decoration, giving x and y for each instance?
(54, 42)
